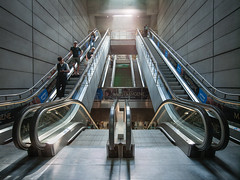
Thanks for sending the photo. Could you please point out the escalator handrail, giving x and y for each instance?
(206, 121)
(85, 72)
(18, 124)
(113, 71)
(132, 71)
(193, 72)
(217, 112)
(112, 118)
(35, 142)
(223, 142)
(128, 126)
(44, 80)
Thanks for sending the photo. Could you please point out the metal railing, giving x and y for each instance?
(112, 120)
(132, 71)
(128, 126)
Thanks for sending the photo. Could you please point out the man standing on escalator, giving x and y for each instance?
(77, 53)
(63, 70)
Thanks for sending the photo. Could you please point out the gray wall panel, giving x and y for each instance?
(43, 27)
(45, 55)
(23, 80)
(15, 43)
(34, 33)
(227, 61)
(201, 40)
(200, 54)
(45, 42)
(39, 71)
(201, 66)
(18, 9)
(224, 8)
(227, 42)
(229, 78)
(26, 3)
(227, 25)
(45, 16)
(14, 25)
(9, 59)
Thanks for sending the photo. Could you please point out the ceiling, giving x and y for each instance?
(108, 8)
(111, 7)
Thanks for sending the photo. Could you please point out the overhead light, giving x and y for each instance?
(123, 15)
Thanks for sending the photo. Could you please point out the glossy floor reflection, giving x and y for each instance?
(86, 158)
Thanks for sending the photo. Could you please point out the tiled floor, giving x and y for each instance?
(86, 158)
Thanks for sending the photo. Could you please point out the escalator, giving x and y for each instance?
(83, 82)
(174, 80)
(43, 91)
(46, 128)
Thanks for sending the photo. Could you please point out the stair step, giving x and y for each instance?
(185, 96)
(70, 86)
(179, 92)
(169, 75)
(176, 87)
(176, 83)
(170, 79)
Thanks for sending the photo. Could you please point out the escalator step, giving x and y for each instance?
(176, 87)
(171, 79)
(174, 83)
(185, 96)
(169, 76)
(70, 86)
(179, 92)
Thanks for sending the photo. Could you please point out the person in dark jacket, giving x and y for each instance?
(63, 70)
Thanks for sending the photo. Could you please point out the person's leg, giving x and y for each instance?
(58, 87)
(74, 61)
(78, 64)
(64, 82)
(78, 69)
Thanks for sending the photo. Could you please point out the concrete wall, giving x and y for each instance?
(206, 33)
(33, 33)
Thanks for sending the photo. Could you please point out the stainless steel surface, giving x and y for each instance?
(85, 158)
(113, 70)
(132, 71)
